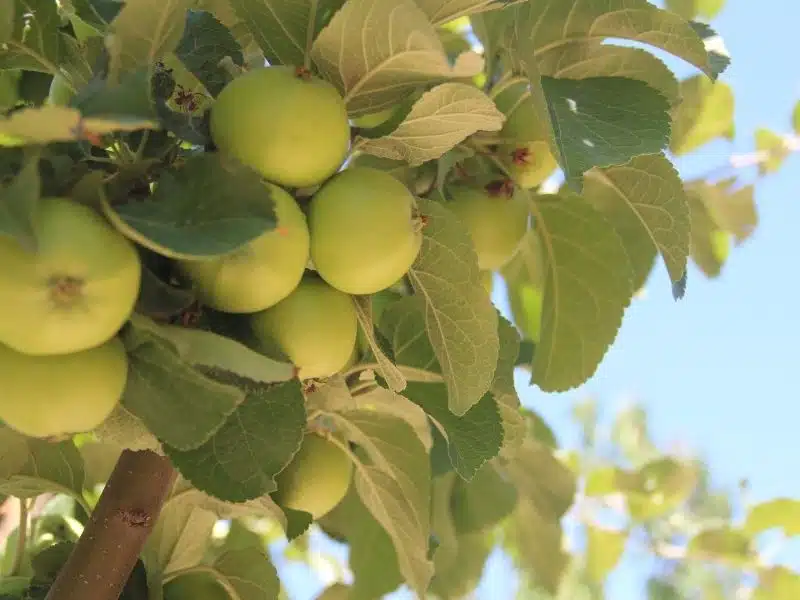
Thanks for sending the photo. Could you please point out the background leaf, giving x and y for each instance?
(705, 113)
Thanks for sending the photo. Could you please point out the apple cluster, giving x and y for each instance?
(358, 232)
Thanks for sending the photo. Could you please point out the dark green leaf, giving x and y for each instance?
(18, 201)
(34, 43)
(604, 121)
(163, 388)
(257, 441)
(193, 214)
(483, 502)
(473, 438)
(205, 43)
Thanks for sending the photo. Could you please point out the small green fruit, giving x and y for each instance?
(315, 326)
(364, 234)
(264, 271)
(529, 164)
(287, 125)
(75, 291)
(195, 586)
(316, 479)
(47, 396)
(496, 223)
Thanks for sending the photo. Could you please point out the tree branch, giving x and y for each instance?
(109, 547)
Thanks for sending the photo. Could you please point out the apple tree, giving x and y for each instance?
(246, 254)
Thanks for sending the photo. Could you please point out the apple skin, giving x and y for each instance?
(46, 396)
(316, 479)
(315, 326)
(292, 129)
(364, 236)
(496, 223)
(76, 291)
(264, 271)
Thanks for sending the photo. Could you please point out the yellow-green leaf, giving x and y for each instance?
(646, 202)
(774, 148)
(588, 286)
(604, 548)
(781, 512)
(704, 114)
(722, 545)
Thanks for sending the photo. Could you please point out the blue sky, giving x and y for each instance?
(716, 370)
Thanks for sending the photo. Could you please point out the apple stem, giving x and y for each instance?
(107, 551)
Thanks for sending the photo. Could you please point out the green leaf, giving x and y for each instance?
(48, 467)
(207, 349)
(394, 378)
(49, 124)
(537, 547)
(285, 30)
(34, 43)
(796, 118)
(504, 390)
(581, 60)
(464, 574)
(18, 201)
(525, 279)
(143, 32)
(552, 24)
(480, 504)
(248, 573)
(372, 557)
(603, 551)
(439, 12)
(718, 57)
(13, 452)
(123, 429)
(778, 583)
(162, 389)
(7, 22)
(180, 537)
(472, 439)
(722, 545)
(732, 208)
(645, 201)
(239, 462)
(774, 147)
(705, 113)
(689, 9)
(442, 118)
(401, 52)
(459, 317)
(604, 121)
(710, 243)
(587, 289)
(204, 44)
(97, 13)
(127, 101)
(659, 487)
(394, 486)
(386, 402)
(403, 326)
(193, 215)
(781, 512)
(542, 479)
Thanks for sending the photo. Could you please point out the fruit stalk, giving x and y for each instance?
(109, 547)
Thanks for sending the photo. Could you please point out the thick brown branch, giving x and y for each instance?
(106, 553)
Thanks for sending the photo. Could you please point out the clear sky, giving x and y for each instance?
(716, 370)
